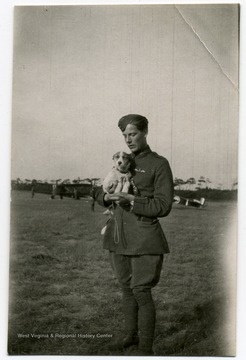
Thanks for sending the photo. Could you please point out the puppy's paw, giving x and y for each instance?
(111, 187)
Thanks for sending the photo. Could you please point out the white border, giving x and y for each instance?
(6, 46)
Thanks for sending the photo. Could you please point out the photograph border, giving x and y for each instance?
(6, 48)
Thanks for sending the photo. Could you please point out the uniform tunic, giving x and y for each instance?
(137, 231)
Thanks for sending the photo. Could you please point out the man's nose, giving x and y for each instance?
(128, 139)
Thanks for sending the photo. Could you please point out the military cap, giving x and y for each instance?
(138, 120)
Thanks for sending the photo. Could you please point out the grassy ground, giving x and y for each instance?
(65, 300)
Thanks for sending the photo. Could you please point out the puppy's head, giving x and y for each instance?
(122, 161)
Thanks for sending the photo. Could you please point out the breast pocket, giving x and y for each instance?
(144, 180)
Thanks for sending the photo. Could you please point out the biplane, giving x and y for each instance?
(54, 188)
(189, 202)
(75, 190)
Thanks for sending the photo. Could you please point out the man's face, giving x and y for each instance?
(134, 138)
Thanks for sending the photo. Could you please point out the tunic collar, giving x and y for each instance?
(143, 153)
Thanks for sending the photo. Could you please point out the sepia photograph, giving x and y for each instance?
(124, 180)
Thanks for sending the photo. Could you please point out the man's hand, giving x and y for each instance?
(120, 198)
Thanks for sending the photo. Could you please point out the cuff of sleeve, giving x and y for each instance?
(100, 200)
(141, 200)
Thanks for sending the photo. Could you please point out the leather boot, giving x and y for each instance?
(146, 325)
(122, 343)
(130, 312)
(146, 322)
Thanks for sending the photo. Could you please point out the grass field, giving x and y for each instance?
(64, 299)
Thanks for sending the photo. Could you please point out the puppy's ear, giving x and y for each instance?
(129, 161)
(114, 156)
(132, 164)
(128, 157)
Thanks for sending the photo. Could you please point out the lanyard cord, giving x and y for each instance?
(116, 226)
(116, 229)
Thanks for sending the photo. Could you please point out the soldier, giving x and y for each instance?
(134, 237)
(92, 198)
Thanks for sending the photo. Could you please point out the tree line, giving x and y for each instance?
(179, 184)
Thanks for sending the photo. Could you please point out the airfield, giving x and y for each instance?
(64, 299)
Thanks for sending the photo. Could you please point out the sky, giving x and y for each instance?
(78, 69)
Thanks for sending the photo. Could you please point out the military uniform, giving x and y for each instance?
(136, 243)
(138, 232)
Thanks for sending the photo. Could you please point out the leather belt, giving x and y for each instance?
(147, 219)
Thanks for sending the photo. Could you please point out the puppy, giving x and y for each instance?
(118, 179)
